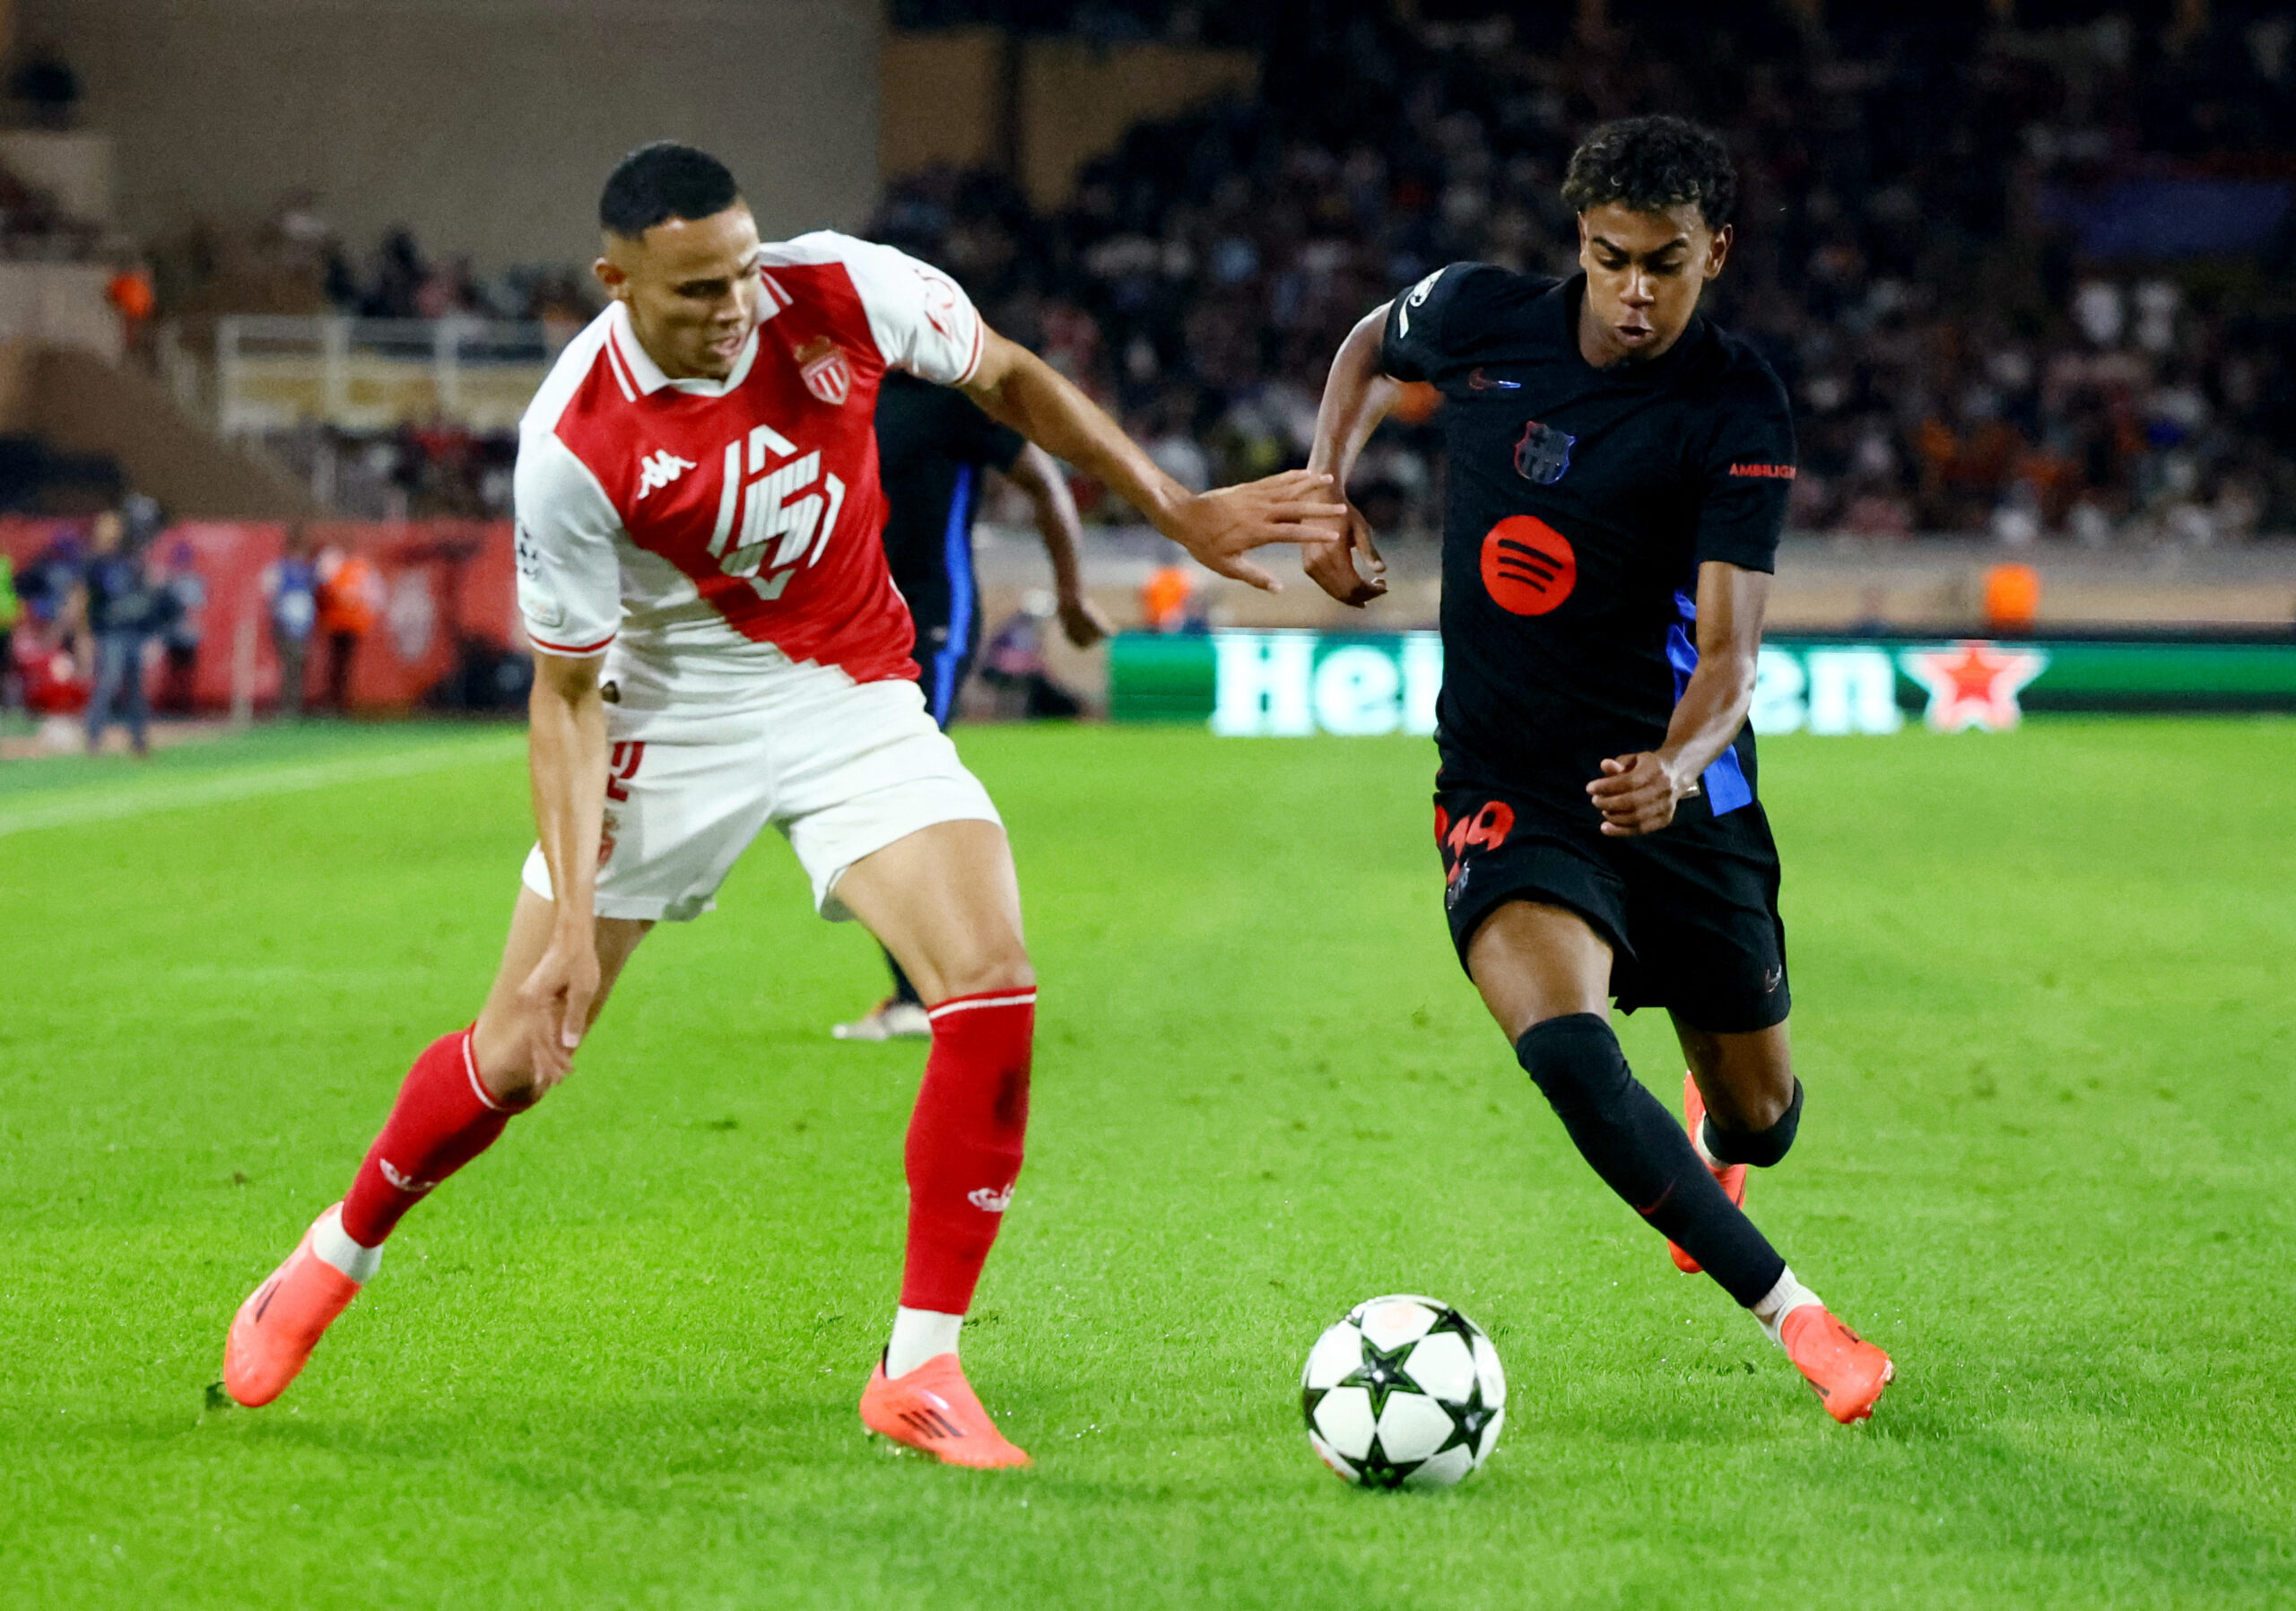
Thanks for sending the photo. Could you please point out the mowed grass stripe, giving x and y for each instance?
(80, 806)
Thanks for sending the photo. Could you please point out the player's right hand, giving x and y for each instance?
(555, 1003)
(1221, 526)
(1334, 566)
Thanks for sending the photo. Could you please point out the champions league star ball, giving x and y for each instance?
(1404, 1392)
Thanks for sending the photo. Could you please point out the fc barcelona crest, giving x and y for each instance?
(1544, 454)
(821, 364)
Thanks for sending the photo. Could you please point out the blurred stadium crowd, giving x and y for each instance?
(2021, 284)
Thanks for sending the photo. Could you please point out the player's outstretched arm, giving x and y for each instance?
(1219, 527)
(1039, 477)
(566, 755)
(1356, 398)
(1637, 793)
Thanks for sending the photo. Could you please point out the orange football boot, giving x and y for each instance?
(281, 1323)
(1730, 1177)
(1848, 1371)
(933, 1408)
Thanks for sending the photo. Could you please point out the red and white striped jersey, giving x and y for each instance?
(723, 527)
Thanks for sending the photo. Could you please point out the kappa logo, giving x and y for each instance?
(989, 1200)
(404, 1182)
(658, 471)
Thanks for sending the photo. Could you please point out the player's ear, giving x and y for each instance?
(611, 275)
(1720, 250)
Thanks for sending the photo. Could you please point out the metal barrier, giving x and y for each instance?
(273, 372)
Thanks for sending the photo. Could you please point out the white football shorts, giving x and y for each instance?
(842, 768)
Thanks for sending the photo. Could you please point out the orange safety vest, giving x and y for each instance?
(347, 597)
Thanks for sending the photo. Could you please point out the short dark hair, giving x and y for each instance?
(662, 181)
(1649, 164)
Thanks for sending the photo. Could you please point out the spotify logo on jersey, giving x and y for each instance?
(1527, 565)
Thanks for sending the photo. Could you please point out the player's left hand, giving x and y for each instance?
(1637, 794)
(1221, 526)
(1333, 566)
(1081, 622)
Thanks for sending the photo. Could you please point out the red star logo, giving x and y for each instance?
(1974, 684)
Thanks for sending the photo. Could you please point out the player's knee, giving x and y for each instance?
(1001, 966)
(1575, 1061)
(505, 1073)
(1764, 1144)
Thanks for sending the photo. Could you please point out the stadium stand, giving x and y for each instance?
(2090, 339)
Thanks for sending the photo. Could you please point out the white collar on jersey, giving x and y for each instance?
(641, 377)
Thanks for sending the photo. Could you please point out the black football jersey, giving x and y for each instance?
(933, 441)
(1580, 503)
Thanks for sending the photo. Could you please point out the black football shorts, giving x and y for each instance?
(1690, 912)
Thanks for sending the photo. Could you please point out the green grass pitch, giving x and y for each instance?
(2044, 1014)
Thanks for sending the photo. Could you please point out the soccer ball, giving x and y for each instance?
(1404, 1392)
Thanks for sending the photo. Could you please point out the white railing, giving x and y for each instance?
(273, 372)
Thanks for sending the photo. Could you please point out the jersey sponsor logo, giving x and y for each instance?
(1528, 567)
(1764, 472)
(1415, 298)
(790, 507)
(658, 471)
(1479, 381)
(1542, 456)
(989, 1200)
(822, 366)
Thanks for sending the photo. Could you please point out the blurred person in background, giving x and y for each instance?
(934, 449)
(350, 602)
(1015, 666)
(10, 609)
(133, 297)
(1170, 603)
(183, 626)
(291, 594)
(116, 612)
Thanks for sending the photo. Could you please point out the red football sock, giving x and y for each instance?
(443, 1119)
(964, 1143)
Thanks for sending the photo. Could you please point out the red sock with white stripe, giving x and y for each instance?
(443, 1119)
(963, 1154)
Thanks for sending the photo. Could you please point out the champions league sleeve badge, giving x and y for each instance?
(1544, 454)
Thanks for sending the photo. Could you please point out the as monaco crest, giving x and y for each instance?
(821, 364)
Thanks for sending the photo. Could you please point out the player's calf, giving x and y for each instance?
(445, 1116)
(1641, 1153)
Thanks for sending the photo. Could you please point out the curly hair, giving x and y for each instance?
(1649, 164)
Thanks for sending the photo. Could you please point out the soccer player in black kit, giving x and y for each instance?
(1619, 472)
(935, 451)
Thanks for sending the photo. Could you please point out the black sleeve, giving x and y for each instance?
(975, 438)
(1747, 476)
(1434, 319)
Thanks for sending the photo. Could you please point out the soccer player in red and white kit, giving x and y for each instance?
(720, 647)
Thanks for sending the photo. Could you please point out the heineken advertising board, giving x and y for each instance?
(1286, 684)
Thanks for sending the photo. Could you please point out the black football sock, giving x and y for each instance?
(1642, 1154)
(903, 990)
(1761, 1148)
